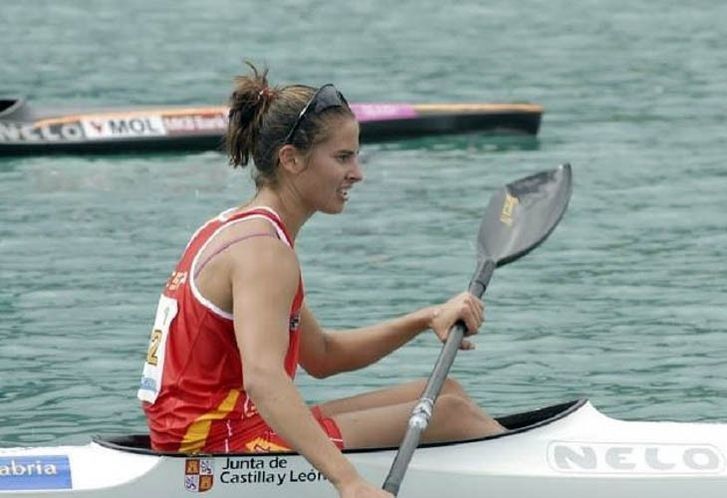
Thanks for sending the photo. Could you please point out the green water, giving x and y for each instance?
(625, 304)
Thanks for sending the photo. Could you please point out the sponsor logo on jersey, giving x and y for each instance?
(295, 321)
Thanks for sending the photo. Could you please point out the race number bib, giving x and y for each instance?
(151, 377)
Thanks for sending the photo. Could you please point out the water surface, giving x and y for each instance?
(625, 304)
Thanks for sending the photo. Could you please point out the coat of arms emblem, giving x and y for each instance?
(198, 474)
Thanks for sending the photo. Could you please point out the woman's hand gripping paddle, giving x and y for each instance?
(520, 217)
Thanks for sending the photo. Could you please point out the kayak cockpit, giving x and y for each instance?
(521, 422)
(515, 423)
(134, 443)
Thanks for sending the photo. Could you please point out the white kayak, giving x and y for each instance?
(570, 450)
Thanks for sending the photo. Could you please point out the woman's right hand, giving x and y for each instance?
(359, 488)
(463, 306)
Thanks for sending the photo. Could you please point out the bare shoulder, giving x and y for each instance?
(240, 229)
(245, 237)
(264, 278)
(258, 256)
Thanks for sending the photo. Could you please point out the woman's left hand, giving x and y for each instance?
(465, 307)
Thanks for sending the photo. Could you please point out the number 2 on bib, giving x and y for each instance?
(151, 378)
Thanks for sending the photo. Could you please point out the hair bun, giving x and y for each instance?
(266, 94)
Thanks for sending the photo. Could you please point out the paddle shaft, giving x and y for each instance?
(422, 412)
(519, 218)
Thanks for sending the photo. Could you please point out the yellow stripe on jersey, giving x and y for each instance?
(196, 436)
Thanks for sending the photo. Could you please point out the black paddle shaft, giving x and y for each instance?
(519, 217)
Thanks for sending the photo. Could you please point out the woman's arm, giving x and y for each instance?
(263, 290)
(325, 353)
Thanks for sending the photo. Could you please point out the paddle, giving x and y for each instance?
(519, 217)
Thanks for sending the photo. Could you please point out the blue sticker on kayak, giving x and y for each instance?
(35, 472)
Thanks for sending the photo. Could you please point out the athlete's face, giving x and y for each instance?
(332, 168)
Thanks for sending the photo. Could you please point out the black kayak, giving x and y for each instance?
(25, 130)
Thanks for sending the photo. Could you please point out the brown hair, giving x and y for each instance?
(260, 118)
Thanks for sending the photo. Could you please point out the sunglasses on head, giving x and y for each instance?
(325, 97)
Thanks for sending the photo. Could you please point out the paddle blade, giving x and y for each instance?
(522, 214)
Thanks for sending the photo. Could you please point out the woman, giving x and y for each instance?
(232, 325)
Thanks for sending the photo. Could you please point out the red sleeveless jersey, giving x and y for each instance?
(191, 387)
